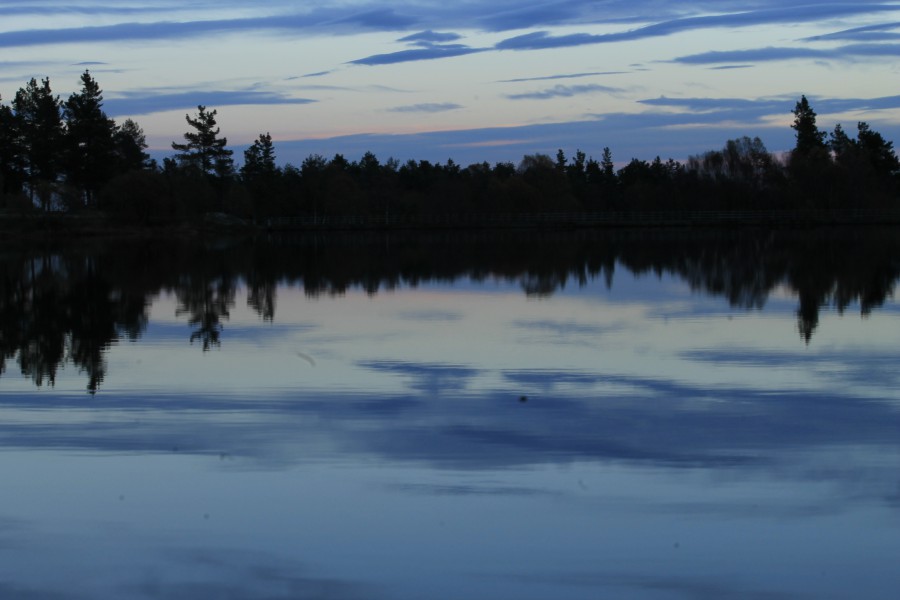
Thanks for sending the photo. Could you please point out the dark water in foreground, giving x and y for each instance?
(519, 416)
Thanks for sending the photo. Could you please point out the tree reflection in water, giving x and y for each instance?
(68, 304)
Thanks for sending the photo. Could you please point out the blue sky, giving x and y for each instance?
(468, 80)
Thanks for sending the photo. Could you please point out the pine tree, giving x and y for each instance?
(40, 120)
(89, 136)
(204, 150)
(259, 160)
(12, 159)
(606, 164)
(878, 152)
(261, 176)
(842, 147)
(809, 138)
(129, 144)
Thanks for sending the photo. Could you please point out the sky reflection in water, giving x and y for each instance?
(462, 439)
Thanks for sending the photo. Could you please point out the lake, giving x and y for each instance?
(509, 415)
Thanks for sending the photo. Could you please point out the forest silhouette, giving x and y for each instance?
(67, 303)
(70, 157)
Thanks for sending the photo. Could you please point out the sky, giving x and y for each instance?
(469, 80)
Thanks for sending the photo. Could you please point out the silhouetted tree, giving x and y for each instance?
(312, 176)
(866, 167)
(551, 186)
(89, 139)
(12, 154)
(809, 138)
(878, 152)
(606, 164)
(259, 159)
(41, 129)
(260, 175)
(138, 196)
(203, 149)
(130, 144)
(810, 161)
(743, 174)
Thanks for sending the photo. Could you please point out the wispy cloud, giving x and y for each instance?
(565, 91)
(540, 40)
(430, 43)
(417, 54)
(869, 33)
(705, 105)
(319, 20)
(763, 107)
(380, 19)
(758, 55)
(659, 130)
(643, 135)
(316, 74)
(431, 37)
(149, 101)
(524, 15)
(43, 10)
(427, 108)
(730, 67)
(561, 76)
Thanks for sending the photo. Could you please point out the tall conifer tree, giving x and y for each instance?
(41, 127)
(203, 149)
(809, 138)
(89, 148)
(12, 159)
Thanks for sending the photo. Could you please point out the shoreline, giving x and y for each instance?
(89, 225)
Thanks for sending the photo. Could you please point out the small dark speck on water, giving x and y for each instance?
(523, 398)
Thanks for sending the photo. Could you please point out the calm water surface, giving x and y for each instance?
(624, 416)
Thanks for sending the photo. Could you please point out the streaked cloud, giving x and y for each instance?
(525, 15)
(669, 127)
(761, 107)
(628, 135)
(542, 40)
(565, 91)
(141, 102)
(380, 19)
(869, 33)
(319, 20)
(427, 53)
(292, 43)
(561, 76)
(761, 55)
(436, 107)
(730, 67)
(44, 9)
(705, 105)
(429, 16)
(431, 37)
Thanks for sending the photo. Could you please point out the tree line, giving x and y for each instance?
(70, 156)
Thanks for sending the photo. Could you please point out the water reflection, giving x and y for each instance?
(60, 304)
(610, 415)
